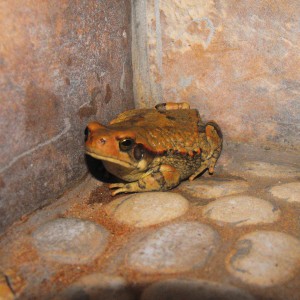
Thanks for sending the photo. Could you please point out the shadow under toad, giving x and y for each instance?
(98, 171)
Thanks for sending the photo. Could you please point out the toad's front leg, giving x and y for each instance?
(161, 178)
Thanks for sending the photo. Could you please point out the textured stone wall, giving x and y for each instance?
(236, 61)
(62, 63)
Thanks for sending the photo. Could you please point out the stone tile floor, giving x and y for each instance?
(233, 235)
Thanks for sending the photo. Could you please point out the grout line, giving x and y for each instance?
(39, 146)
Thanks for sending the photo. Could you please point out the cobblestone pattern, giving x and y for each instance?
(219, 237)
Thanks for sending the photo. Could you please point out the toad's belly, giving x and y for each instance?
(123, 173)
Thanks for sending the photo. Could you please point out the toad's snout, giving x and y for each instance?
(89, 132)
(96, 138)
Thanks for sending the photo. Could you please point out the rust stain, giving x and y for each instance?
(108, 94)
(69, 61)
(91, 109)
(87, 111)
(2, 183)
(96, 91)
(67, 81)
(201, 29)
(43, 111)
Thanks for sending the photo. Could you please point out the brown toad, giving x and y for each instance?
(155, 149)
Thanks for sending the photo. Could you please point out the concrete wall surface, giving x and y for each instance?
(236, 61)
(62, 63)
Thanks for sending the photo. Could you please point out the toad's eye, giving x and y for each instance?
(126, 144)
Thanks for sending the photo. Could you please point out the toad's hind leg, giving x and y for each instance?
(171, 106)
(214, 139)
(162, 178)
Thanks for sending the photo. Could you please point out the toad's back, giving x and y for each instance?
(176, 130)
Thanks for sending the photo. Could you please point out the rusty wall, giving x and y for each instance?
(236, 61)
(63, 63)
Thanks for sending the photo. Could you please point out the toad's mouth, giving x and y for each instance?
(111, 159)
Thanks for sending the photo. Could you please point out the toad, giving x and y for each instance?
(155, 149)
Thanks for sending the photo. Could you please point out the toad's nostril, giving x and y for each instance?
(102, 141)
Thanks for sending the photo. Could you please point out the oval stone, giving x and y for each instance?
(241, 210)
(71, 241)
(145, 209)
(288, 191)
(265, 258)
(214, 188)
(173, 248)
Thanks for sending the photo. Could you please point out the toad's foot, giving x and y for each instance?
(208, 164)
(162, 178)
(202, 168)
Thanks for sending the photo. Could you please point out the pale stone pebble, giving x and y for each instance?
(70, 240)
(145, 209)
(288, 191)
(265, 258)
(174, 248)
(264, 169)
(97, 286)
(214, 188)
(192, 289)
(241, 210)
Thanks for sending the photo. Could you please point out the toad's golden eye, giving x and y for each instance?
(126, 144)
